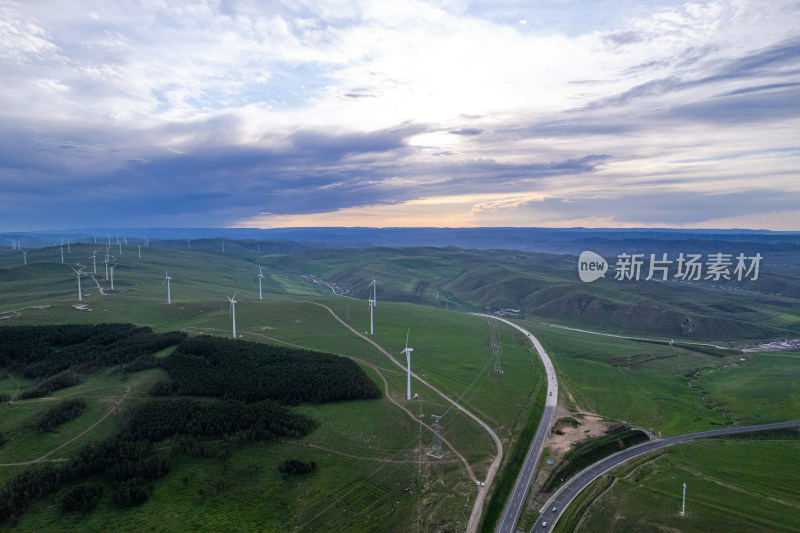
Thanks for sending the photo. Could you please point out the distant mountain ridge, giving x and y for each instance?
(552, 240)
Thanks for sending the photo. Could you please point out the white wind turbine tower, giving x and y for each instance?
(260, 277)
(69, 250)
(373, 302)
(62, 254)
(408, 351)
(24, 257)
(140, 250)
(112, 276)
(106, 264)
(80, 296)
(166, 280)
(94, 261)
(233, 312)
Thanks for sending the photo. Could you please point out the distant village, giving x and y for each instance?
(511, 313)
(335, 287)
(789, 344)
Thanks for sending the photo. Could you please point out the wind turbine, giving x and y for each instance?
(80, 296)
(683, 505)
(140, 250)
(112, 275)
(120, 246)
(408, 351)
(69, 250)
(62, 254)
(260, 277)
(94, 261)
(25, 257)
(233, 312)
(372, 302)
(106, 264)
(166, 280)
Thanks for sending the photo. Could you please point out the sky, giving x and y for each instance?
(548, 113)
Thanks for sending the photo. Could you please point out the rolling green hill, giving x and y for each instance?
(537, 284)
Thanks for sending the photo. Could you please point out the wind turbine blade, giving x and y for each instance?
(407, 332)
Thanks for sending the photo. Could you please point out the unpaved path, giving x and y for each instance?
(477, 508)
(377, 370)
(634, 338)
(73, 439)
(99, 288)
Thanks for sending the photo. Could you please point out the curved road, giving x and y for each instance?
(564, 496)
(516, 500)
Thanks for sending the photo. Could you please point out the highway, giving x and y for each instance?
(564, 496)
(516, 501)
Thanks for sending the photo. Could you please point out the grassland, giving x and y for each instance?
(732, 485)
(764, 388)
(377, 449)
(374, 474)
(538, 284)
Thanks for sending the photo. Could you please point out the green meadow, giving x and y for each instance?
(372, 456)
(731, 485)
(373, 473)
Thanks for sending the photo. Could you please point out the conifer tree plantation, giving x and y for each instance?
(240, 392)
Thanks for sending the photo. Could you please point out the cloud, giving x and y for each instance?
(620, 38)
(220, 112)
(467, 131)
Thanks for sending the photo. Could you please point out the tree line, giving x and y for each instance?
(58, 414)
(41, 352)
(255, 383)
(127, 460)
(250, 371)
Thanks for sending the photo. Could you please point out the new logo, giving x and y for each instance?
(591, 266)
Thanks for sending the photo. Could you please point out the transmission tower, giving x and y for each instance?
(436, 445)
(494, 341)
